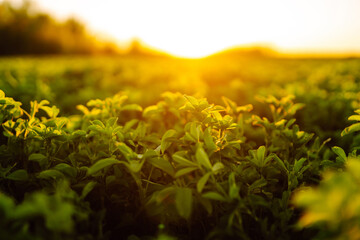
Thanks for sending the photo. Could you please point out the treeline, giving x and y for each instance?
(24, 31)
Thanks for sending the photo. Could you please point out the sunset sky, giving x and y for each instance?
(195, 28)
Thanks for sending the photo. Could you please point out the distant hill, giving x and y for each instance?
(138, 48)
(256, 52)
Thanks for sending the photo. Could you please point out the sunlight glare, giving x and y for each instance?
(199, 28)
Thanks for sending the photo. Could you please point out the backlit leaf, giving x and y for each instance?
(340, 152)
(352, 128)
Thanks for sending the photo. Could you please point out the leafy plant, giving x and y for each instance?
(332, 207)
(183, 167)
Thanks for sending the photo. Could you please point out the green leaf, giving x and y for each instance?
(352, 128)
(134, 165)
(193, 101)
(183, 202)
(150, 110)
(203, 103)
(202, 158)
(130, 124)
(98, 123)
(52, 112)
(298, 164)
(354, 118)
(218, 167)
(40, 158)
(245, 108)
(126, 151)
(217, 115)
(189, 137)
(184, 171)
(51, 174)
(260, 153)
(195, 131)
(340, 152)
(111, 122)
(87, 189)
(258, 184)
(66, 169)
(234, 192)
(294, 108)
(281, 163)
(164, 143)
(132, 107)
(96, 128)
(162, 164)
(101, 164)
(83, 109)
(150, 154)
(18, 175)
(209, 142)
(214, 196)
(79, 133)
(280, 123)
(290, 122)
(257, 156)
(202, 182)
(43, 103)
(183, 162)
(160, 196)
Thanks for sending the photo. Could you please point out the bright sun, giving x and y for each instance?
(189, 28)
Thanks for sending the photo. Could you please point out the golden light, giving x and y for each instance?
(197, 28)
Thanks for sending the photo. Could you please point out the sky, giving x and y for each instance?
(196, 28)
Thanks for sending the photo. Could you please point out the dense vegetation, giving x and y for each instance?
(252, 148)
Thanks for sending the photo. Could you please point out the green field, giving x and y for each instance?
(135, 147)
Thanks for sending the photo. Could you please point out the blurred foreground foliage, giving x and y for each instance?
(334, 206)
